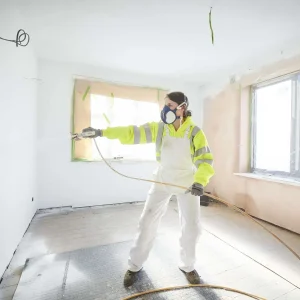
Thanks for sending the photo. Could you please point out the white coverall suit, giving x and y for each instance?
(177, 168)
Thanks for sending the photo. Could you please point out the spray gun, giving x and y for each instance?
(82, 135)
(87, 134)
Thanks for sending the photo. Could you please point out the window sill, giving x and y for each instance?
(287, 181)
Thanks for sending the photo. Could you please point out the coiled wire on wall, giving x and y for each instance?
(22, 38)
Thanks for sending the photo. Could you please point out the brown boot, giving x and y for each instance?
(130, 278)
(192, 277)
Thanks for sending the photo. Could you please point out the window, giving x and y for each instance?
(101, 105)
(276, 127)
(109, 111)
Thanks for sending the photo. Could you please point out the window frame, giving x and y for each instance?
(295, 127)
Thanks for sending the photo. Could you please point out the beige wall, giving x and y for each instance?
(226, 124)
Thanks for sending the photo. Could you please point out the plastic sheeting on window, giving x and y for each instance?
(121, 105)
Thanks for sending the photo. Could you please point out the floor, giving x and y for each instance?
(96, 273)
(235, 252)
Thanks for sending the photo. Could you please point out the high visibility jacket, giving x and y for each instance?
(154, 133)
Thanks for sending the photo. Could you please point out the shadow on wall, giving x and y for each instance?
(243, 200)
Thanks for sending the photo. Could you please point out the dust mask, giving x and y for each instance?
(168, 116)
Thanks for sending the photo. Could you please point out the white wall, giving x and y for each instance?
(18, 136)
(62, 182)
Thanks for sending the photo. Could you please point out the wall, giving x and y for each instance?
(62, 182)
(18, 138)
(227, 126)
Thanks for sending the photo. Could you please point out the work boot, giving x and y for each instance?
(192, 277)
(130, 278)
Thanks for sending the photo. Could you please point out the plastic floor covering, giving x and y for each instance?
(97, 274)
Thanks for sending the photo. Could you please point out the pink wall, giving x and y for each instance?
(226, 124)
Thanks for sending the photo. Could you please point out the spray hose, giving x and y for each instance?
(234, 207)
(215, 198)
(209, 195)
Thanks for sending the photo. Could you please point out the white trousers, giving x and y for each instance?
(155, 207)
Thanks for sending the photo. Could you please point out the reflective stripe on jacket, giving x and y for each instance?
(154, 133)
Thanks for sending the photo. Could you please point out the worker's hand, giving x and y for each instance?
(91, 132)
(196, 189)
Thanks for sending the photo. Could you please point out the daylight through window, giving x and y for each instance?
(110, 111)
(276, 134)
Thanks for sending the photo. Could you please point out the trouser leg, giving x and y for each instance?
(189, 215)
(155, 207)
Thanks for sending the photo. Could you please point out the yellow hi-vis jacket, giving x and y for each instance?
(154, 133)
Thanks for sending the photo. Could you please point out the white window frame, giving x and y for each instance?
(295, 128)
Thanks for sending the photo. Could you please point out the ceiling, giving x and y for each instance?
(168, 38)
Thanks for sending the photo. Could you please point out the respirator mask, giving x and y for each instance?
(168, 116)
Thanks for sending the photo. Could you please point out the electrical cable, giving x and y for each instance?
(215, 198)
(21, 37)
(210, 27)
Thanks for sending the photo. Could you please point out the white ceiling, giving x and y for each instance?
(165, 37)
